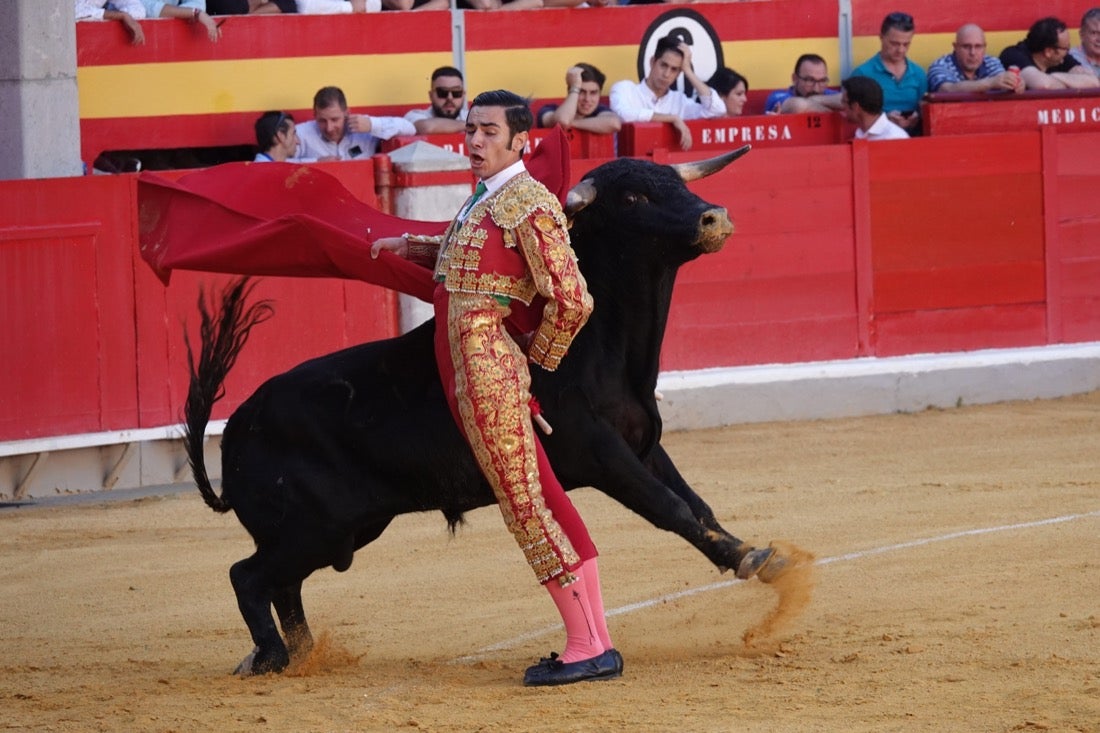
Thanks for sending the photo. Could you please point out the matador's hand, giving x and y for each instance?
(398, 245)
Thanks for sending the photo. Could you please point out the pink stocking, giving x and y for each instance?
(595, 601)
(582, 639)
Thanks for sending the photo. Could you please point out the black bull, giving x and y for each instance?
(319, 460)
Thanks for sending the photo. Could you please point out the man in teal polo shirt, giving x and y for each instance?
(903, 82)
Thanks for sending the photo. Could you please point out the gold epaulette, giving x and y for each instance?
(526, 195)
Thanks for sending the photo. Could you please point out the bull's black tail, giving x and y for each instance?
(223, 335)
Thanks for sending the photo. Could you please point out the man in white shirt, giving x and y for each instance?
(653, 100)
(333, 134)
(128, 12)
(447, 94)
(861, 97)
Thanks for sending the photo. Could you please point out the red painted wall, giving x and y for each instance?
(94, 342)
(870, 249)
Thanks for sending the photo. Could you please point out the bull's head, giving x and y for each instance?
(658, 204)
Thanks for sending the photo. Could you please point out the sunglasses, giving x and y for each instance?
(452, 93)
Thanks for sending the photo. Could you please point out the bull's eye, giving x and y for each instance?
(630, 198)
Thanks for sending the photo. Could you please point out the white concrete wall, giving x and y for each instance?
(39, 113)
(715, 397)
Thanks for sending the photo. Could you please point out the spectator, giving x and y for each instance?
(514, 4)
(192, 10)
(276, 137)
(902, 81)
(969, 69)
(810, 84)
(250, 7)
(732, 88)
(333, 134)
(128, 12)
(1044, 61)
(862, 99)
(581, 108)
(1088, 53)
(653, 100)
(448, 111)
(416, 4)
(338, 7)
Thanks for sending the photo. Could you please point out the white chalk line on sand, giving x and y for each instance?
(641, 605)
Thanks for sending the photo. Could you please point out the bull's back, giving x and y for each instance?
(360, 433)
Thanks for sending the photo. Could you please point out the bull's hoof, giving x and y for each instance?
(260, 662)
(764, 563)
(244, 669)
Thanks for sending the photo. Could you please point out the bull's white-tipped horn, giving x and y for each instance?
(703, 168)
(580, 196)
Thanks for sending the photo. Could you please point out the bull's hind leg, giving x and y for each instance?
(287, 599)
(255, 594)
(292, 618)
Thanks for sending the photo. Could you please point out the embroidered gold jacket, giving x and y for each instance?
(515, 243)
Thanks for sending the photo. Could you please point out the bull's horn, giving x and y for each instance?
(703, 168)
(580, 196)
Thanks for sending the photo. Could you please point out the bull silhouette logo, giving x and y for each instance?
(694, 30)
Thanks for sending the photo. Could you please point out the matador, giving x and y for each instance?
(510, 243)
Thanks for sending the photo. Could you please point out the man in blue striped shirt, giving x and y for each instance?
(969, 69)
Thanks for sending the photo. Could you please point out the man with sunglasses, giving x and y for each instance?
(447, 94)
(903, 81)
(1044, 61)
(809, 91)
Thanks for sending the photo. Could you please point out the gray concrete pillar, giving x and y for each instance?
(428, 202)
(39, 108)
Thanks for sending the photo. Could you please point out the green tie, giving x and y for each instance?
(479, 191)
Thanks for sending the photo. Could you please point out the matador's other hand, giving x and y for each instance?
(398, 245)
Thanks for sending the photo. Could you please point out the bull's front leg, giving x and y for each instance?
(752, 561)
(638, 487)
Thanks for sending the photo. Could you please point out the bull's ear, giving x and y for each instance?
(703, 168)
(579, 196)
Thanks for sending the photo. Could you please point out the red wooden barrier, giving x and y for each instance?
(725, 133)
(1073, 235)
(935, 244)
(67, 307)
(783, 288)
(95, 342)
(960, 114)
(581, 144)
(956, 236)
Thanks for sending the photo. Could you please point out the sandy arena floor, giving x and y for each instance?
(957, 589)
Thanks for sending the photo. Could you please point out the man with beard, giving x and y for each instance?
(448, 111)
(654, 100)
(334, 134)
(1044, 61)
(581, 108)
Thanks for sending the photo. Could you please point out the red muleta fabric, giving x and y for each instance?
(291, 220)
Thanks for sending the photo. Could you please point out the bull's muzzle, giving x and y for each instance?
(714, 228)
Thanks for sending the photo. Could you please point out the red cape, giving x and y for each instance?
(294, 220)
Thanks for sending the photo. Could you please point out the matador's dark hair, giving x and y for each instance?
(517, 109)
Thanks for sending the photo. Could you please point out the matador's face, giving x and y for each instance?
(490, 143)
